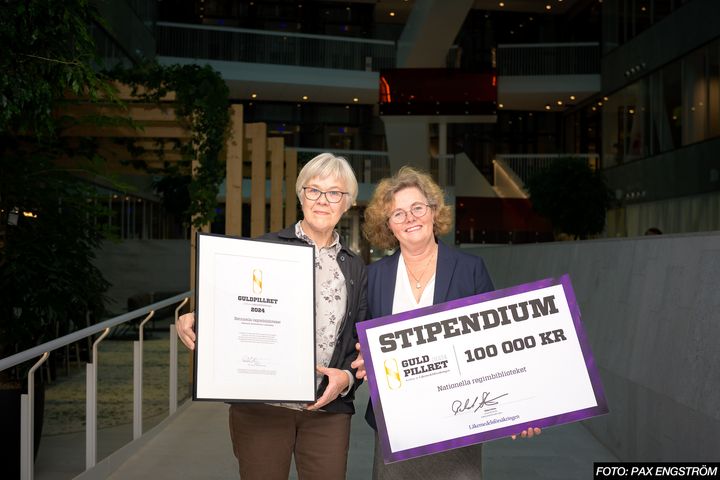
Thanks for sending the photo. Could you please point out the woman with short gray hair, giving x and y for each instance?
(266, 436)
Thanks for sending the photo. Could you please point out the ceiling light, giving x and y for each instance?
(392, 14)
(502, 4)
(572, 97)
(548, 7)
(547, 107)
(356, 99)
(254, 95)
(304, 97)
(605, 98)
(559, 102)
(500, 105)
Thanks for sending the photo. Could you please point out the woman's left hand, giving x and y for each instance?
(529, 433)
(359, 364)
(337, 382)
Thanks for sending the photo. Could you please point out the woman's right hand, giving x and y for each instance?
(184, 326)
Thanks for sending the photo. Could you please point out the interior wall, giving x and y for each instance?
(650, 309)
(143, 266)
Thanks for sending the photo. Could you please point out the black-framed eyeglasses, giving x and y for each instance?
(332, 196)
(417, 209)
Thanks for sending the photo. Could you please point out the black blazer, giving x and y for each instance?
(353, 269)
(458, 275)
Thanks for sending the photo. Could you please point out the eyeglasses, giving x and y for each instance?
(333, 196)
(417, 209)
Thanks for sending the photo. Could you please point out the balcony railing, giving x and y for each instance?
(548, 59)
(99, 331)
(369, 166)
(526, 165)
(281, 48)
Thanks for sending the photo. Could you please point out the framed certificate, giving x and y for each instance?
(479, 368)
(255, 321)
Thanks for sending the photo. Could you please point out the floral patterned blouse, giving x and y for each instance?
(330, 303)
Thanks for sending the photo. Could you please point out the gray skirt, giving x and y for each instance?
(459, 464)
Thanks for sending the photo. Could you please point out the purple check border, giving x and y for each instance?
(601, 407)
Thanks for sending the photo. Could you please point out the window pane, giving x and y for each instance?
(713, 76)
(694, 97)
(669, 118)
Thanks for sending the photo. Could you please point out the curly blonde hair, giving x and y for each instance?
(377, 213)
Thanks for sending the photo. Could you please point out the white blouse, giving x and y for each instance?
(404, 298)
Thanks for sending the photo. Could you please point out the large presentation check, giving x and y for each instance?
(479, 368)
(255, 321)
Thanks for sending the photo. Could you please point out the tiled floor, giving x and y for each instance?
(196, 445)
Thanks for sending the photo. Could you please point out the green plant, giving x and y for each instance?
(202, 106)
(47, 229)
(47, 275)
(572, 196)
(46, 51)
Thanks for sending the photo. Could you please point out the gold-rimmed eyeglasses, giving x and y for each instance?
(417, 209)
(332, 196)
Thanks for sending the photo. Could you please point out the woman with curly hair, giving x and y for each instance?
(408, 211)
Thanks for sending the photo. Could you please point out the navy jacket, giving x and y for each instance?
(353, 269)
(458, 275)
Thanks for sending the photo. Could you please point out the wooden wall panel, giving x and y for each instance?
(290, 178)
(276, 147)
(256, 144)
(234, 174)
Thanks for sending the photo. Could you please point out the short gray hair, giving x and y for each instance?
(328, 165)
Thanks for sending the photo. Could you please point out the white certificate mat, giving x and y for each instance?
(255, 321)
(479, 368)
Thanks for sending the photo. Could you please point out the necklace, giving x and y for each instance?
(418, 285)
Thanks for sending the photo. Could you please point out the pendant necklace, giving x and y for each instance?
(417, 280)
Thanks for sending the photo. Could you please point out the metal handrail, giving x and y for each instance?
(91, 404)
(27, 422)
(137, 377)
(232, 44)
(548, 59)
(27, 400)
(276, 33)
(31, 353)
(523, 166)
(173, 359)
(369, 166)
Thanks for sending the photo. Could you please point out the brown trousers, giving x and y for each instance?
(264, 438)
